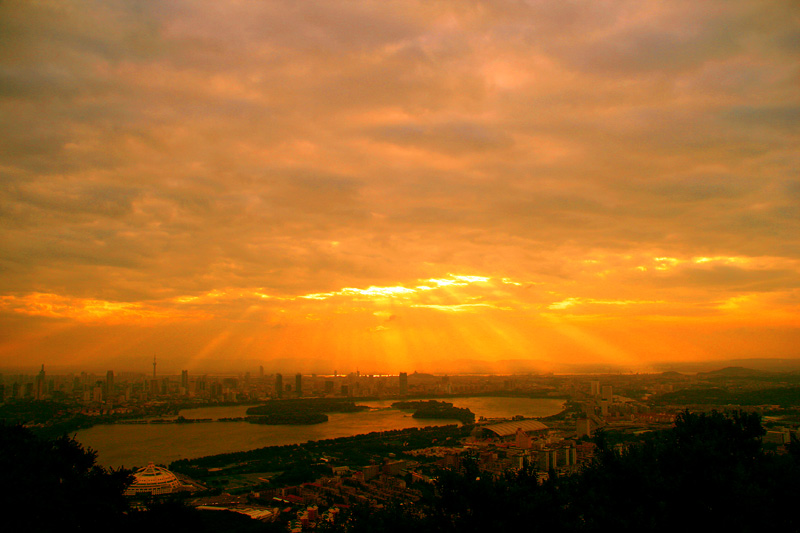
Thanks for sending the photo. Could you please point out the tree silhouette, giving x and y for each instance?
(55, 485)
(708, 472)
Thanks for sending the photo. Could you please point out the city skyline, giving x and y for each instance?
(398, 186)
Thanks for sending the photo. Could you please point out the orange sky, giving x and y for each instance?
(398, 185)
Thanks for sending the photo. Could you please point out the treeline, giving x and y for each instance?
(300, 411)
(51, 419)
(55, 485)
(708, 473)
(436, 409)
(355, 450)
(782, 396)
(297, 418)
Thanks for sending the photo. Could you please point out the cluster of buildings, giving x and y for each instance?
(494, 448)
(114, 389)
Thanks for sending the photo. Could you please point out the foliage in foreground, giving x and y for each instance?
(55, 485)
(708, 472)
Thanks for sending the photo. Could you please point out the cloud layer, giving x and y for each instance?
(622, 177)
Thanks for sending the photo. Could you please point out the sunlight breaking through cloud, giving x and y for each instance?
(495, 179)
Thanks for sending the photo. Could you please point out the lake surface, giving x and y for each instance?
(136, 445)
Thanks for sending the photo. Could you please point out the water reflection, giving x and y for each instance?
(136, 445)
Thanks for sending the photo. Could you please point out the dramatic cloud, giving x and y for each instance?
(387, 183)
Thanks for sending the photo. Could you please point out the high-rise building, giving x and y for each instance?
(298, 384)
(583, 427)
(261, 371)
(216, 390)
(403, 383)
(608, 392)
(109, 383)
(279, 385)
(185, 381)
(329, 386)
(594, 388)
(39, 391)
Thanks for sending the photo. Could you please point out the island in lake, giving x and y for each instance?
(300, 411)
(436, 409)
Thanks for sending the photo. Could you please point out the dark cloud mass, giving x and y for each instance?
(167, 165)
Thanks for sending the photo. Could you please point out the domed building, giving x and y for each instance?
(153, 480)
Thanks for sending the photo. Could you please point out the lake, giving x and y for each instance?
(137, 445)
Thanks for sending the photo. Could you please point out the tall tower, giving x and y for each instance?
(154, 367)
(279, 385)
(39, 386)
(298, 384)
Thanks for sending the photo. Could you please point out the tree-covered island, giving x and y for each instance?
(300, 411)
(436, 409)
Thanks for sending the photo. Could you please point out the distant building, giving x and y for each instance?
(39, 391)
(329, 387)
(298, 384)
(594, 388)
(522, 439)
(504, 430)
(403, 383)
(185, 380)
(109, 383)
(153, 480)
(216, 390)
(371, 472)
(608, 392)
(279, 385)
(558, 457)
(583, 427)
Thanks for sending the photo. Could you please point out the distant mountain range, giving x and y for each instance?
(733, 367)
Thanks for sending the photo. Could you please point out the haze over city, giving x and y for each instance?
(398, 186)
